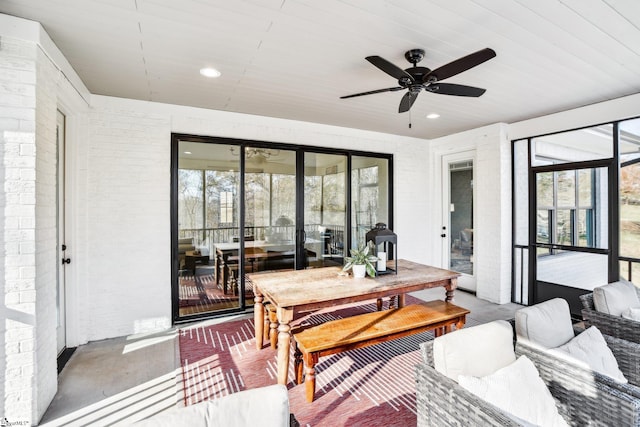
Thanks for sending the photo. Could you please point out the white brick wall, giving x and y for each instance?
(126, 258)
(45, 245)
(123, 227)
(18, 154)
(29, 268)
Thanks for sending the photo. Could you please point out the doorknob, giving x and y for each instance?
(66, 261)
(443, 235)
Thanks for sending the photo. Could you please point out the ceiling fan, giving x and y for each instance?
(415, 78)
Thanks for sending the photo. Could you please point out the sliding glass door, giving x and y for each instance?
(246, 207)
(325, 209)
(269, 214)
(208, 213)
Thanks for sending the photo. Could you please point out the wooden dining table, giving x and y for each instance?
(317, 288)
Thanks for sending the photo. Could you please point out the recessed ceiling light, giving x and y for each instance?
(433, 116)
(210, 72)
(187, 152)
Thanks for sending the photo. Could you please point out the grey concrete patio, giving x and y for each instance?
(122, 380)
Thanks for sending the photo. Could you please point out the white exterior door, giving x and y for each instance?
(458, 217)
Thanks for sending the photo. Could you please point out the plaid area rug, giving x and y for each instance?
(371, 386)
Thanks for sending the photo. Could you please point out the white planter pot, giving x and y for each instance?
(359, 271)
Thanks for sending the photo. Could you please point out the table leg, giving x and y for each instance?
(258, 316)
(285, 316)
(400, 300)
(450, 289)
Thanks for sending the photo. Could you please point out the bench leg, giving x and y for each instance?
(460, 323)
(379, 304)
(310, 361)
(298, 367)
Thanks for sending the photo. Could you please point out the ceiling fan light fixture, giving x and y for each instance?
(210, 72)
(433, 116)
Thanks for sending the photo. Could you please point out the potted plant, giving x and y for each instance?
(361, 262)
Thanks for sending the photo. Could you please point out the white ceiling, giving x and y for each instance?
(294, 58)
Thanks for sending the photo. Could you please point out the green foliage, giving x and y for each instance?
(361, 256)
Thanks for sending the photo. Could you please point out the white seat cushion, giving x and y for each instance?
(518, 390)
(547, 324)
(615, 298)
(590, 348)
(477, 351)
(632, 313)
(264, 406)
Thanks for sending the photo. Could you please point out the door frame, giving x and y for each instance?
(61, 326)
(465, 281)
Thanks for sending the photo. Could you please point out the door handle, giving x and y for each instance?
(443, 235)
(66, 261)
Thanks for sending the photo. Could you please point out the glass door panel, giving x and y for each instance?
(208, 227)
(369, 197)
(461, 217)
(269, 212)
(325, 210)
(574, 216)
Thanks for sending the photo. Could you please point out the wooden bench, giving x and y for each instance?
(368, 329)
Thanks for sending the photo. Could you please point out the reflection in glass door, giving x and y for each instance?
(369, 196)
(325, 210)
(208, 218)
(244, 207)
(571, 227)
(269, 213)
(460, 209)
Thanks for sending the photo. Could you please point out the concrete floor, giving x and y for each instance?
(122, 380)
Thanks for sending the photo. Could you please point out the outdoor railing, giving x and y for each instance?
(630, 264)
(210, 236)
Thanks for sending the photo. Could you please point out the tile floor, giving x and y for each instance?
(121, 380)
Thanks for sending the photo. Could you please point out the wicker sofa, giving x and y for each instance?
(615, 326)
(441, 401)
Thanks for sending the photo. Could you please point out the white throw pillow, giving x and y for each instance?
(592, 350)
(478, 350)
(518, 390)
(547, 324)
(632, 314)
(615, 297)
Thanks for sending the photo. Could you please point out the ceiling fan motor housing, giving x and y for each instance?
(414, 55)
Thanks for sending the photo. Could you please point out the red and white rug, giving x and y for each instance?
(372, 386)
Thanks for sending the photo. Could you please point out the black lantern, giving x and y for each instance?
(381, 235)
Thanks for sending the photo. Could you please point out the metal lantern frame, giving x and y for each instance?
(381, 235)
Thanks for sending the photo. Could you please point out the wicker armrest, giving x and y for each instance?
(627, 355)
(616, 326)
(585, 395)
(441, 401)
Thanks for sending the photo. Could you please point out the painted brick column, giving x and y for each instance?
(28, 236)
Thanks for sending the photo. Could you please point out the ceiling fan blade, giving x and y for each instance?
(389, 68)
(454, 89)
(407, 101)
(460, 65)
(371, 92)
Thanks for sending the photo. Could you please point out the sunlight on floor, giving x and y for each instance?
(140, 341)
(131, 405)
